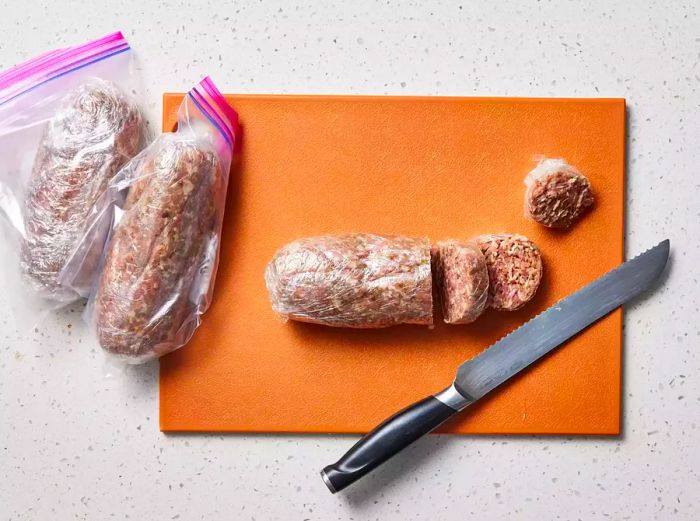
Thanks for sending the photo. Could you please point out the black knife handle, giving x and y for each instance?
(393, 435)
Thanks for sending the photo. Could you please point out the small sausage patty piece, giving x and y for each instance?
(515, 269)
(355, 280)
(556, 194)
(462, 279)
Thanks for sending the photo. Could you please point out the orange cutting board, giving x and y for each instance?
(431, 166)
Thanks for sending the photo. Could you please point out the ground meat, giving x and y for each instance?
(144, 298)
(515, 269)
(355, 280)
(556, 194)
(95, 130)
(462, 279)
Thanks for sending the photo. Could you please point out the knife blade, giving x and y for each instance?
(508, 356)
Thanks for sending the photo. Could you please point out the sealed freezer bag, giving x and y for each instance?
(167, 208)
(68, 123)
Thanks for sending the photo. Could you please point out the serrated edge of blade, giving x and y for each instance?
(665, 244)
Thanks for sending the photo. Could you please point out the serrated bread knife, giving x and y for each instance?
(507, 357)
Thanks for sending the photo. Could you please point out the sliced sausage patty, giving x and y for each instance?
(462, 279)
(515, 269)
(556, 193)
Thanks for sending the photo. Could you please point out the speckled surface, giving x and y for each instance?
(77, 445)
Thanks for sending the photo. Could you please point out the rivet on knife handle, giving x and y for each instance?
(393, 435)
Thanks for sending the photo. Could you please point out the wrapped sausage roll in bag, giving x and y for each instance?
(167, 207)
(68, 123)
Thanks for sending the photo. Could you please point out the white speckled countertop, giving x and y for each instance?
(76, 445)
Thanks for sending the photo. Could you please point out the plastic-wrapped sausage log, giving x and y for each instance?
(354, 280)
(159, 269)
(94, 132)
(462, 280)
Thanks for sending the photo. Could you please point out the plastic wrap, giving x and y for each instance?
(95, 130)
(354, 280)
(515, 269)
(67, 125)
(556, 194)
(462, 279)
(159, 267)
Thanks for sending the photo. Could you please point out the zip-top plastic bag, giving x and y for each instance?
(68, 123)
(165, 209)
